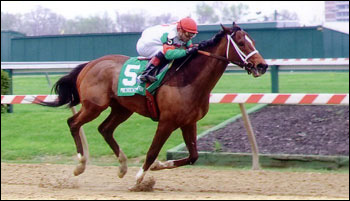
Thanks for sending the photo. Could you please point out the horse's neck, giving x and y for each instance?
(200, 75)
(211, 69)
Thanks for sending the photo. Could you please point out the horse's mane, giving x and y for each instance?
(213, 41)
(216, 39)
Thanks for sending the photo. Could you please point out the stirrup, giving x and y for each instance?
(148, 78)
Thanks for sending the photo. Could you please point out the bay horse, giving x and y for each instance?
(183, 97)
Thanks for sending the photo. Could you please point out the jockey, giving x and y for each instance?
(163, 43)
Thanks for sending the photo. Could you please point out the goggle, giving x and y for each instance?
(189, 35)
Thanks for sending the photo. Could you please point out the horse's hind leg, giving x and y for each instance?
(87, 113)
(117, 116)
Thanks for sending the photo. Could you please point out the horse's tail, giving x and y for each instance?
(66, 89)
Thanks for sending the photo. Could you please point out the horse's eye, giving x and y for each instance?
(240, 43)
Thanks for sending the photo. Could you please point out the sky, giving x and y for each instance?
(309, 12)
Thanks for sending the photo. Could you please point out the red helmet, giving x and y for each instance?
(188, 25)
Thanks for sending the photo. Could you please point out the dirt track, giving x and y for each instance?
(47, 181)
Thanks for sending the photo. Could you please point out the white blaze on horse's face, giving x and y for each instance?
(249, 40)
(261, 67)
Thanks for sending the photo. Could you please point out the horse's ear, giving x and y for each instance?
(222, 26)
(235, 27)
(225, 28)
(234, 24)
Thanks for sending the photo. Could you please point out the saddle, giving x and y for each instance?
(129, 85)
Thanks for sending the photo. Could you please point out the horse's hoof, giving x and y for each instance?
(81, 166)
(122, 171)
(155, 166)
(123, 167)
(79, 169)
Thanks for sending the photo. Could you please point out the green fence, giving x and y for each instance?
(271, 41)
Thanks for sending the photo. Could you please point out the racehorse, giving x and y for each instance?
(183, 97)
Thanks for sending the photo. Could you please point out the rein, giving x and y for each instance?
(213, 55)
(220, 58)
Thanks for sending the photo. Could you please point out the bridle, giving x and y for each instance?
(244, 58)
(240, 53)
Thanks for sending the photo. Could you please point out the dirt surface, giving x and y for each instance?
(287, 129)
(279, 129)
(49, 181)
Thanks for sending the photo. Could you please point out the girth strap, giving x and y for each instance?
(152, 105)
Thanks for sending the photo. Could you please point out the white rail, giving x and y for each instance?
(264, 98)
(336, 63)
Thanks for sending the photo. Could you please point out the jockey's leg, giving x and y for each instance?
(153, 67)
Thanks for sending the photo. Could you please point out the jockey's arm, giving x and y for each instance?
(170, 51)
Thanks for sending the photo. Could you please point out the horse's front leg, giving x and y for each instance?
(162, 134)
(189, 133)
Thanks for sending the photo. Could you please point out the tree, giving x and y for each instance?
(206, 14)
(131, 22)
(234, 13)
(162, 19)
(92, 24)
(283, 15)
(42, 21)
(10, 21)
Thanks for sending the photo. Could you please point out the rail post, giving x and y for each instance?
(274, 79)
(251, 137)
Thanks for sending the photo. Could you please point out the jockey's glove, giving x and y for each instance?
(191, 50)
(204, 44)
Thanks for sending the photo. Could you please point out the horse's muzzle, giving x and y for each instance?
(262, 68)
(256, 71)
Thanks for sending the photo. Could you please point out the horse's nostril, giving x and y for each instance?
(263, 66)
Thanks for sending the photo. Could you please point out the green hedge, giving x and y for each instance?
(5, 87)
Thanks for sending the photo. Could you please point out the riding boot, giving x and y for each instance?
(149, 74)
(153, 67)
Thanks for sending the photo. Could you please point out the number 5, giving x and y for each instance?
(129, 74)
